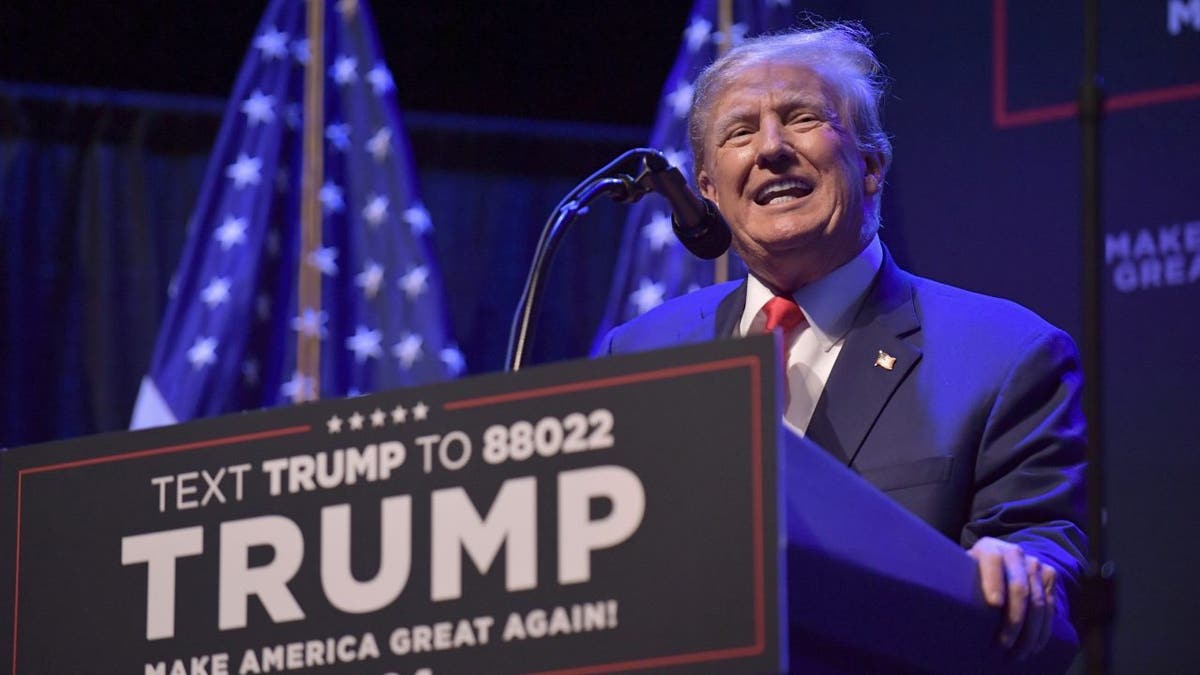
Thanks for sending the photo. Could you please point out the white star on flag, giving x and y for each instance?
(216, 292)
(658, 230)
(338, 135)
(376, 210)
(370, 278)
(298, 387)
(250, 372)
(324, 259)
(331, 197)
(259, 108)
(681, 99)
(697, 33)
(365, 344)
(418, 218)
(300, 51)
(677, 159)
(311, 323)
(380, 144)
(272, 44)
(414, 282)
(293, 115)
(453, 358)
(648, 295)
(380, 79)
(737, 31)
(408, 349)
(203, 352)
(244, 171)
(347, 8)
(344, 69)
(231, 232)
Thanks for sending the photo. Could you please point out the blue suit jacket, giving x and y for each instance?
(977, 429)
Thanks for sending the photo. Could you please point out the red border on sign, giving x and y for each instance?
(1006, 119)
(755, 365)
(137, 454)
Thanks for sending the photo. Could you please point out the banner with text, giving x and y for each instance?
(608, 515)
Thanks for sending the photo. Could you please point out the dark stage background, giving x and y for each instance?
(509, 104)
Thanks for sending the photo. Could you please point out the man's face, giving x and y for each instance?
(787, 175)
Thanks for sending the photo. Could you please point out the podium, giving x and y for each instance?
(636, 513)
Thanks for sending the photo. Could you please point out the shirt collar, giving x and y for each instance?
(829, 303)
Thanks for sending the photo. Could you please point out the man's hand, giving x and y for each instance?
(1023, 587)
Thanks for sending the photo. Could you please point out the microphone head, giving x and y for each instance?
(708, 238)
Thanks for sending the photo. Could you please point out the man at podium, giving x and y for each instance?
(962, 408)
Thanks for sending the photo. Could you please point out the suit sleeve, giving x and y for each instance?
(1029, 472)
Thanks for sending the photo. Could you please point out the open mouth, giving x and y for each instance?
(782, 191)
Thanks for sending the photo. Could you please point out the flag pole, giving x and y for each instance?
(308, 344)
(725, 24)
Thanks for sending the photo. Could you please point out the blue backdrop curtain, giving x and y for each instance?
(96, 189)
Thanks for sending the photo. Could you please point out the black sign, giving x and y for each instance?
(600, 516)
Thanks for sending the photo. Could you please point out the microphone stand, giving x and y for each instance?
(615, 180)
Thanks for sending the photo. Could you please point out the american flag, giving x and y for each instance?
(228, 340)
(653, 266)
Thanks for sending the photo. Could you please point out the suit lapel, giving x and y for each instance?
(858, 388)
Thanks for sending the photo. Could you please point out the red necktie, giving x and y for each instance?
(783, 312)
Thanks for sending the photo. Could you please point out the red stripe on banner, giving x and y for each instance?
(1004, 118)
(212, 442)
(756, 463)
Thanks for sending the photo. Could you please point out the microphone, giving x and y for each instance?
(695, 220)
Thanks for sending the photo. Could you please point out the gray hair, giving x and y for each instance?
(841, 55)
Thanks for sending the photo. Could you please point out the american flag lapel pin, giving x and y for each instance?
(885, 360)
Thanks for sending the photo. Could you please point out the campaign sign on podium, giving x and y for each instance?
(592, 516)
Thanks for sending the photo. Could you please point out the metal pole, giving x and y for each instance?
(308, 347)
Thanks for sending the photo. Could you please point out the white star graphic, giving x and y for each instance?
(420, 411)
(681, 99)
(216, 292)
(365, 344)
(203, 352)
(399, 415)
(300, 51)
(259, 107)
(344, 69)
(356, 421)
(338, 135)
(325, 259)
(231, 232)
(331, 197)
(697, 33)
(370, 278)
(311, 323)
(376, 210)
(334, 425)
(648, 296)
(380, 144)
(299, 388)
(380, 79)
(408, 349)
(272, 44)
(418, 219)
(245, 171)
(414, 283)
(658, 231)
(378, 418)
(453, 358)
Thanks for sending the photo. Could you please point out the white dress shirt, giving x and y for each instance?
(829, 305)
